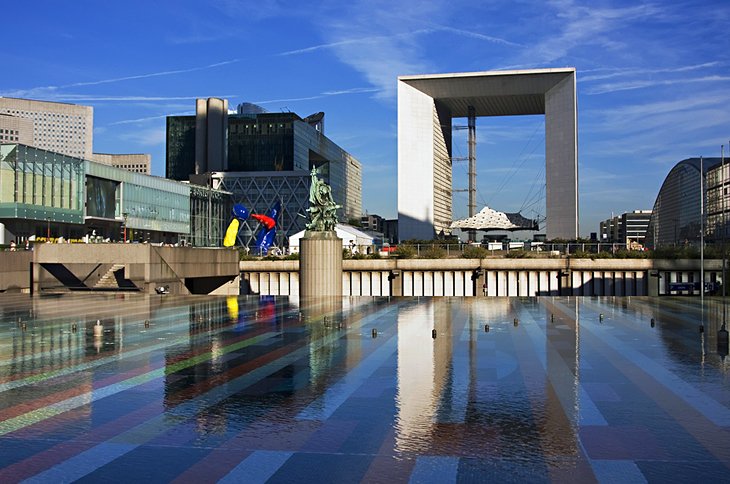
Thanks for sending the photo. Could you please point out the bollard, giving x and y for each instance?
(600, 317)
(516, 322)
(702, 328)
(375, 333)
(73, 328)
(552, 318)
(146, 323)
(652, 323)
(98, 329)
(433, 333)
(486, 328)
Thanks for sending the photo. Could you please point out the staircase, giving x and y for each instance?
(109, 280)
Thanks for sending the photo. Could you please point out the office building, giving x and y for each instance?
(47, 195)
(260, 158)
(137, 163)
(14, 129)
(676, 219)
(628, 229)
(59, 127)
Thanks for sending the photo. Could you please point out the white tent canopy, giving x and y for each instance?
(352, 238)
(490, 219)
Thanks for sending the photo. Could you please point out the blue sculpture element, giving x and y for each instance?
(267, 234)
(240, 212)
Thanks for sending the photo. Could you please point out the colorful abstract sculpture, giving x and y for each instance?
(240, 214)
(266, 235)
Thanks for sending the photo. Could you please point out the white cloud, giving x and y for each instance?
(581, 26)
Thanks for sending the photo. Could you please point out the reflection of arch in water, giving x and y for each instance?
(444, 405)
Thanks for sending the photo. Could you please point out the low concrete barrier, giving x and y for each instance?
(489, 277)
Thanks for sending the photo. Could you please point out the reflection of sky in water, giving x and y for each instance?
(358, 389)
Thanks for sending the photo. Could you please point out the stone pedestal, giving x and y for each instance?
(320, 264)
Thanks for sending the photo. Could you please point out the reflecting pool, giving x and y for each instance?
(125, 388)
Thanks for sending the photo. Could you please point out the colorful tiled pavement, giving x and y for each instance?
(208, 389)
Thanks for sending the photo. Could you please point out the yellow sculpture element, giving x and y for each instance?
(230, 239)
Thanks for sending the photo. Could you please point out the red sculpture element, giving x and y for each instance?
(265, 220)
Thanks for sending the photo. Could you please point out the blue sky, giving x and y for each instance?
(653, 80)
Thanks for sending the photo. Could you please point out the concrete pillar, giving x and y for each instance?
(544, 283)
(522, 283)
(383, 284)
(438, 283)
(491, 283)
(274, 284)
(618, 283)
(418, 283)
(587, 277)
(346, 285)
(448, 283)
(566, 283)
(554, 283)
(366, 287)
(459, 283)
(395, 280)
(629, 284)
(480, 281)
(356, 283)
(532, 283)
(576, 283)
(320, 264)
(428, 277)
(642, 286)
(294, 284)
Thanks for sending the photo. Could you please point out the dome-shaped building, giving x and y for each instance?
(677, 215)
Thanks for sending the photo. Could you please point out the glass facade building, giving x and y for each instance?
(47, 195)
(269, 158)
(180, 159)
(677, 215)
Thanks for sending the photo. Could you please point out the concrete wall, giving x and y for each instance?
(561, 160)
(503, 277)
(15, 270)
(186, 270)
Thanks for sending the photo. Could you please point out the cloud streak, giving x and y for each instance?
(631, 85)
(357, 90)
(52, 92)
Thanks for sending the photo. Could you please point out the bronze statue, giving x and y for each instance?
(322, 208)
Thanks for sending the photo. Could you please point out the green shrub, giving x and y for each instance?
(474, 252)
(405, 251)
(517, 254)
(434, 252)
